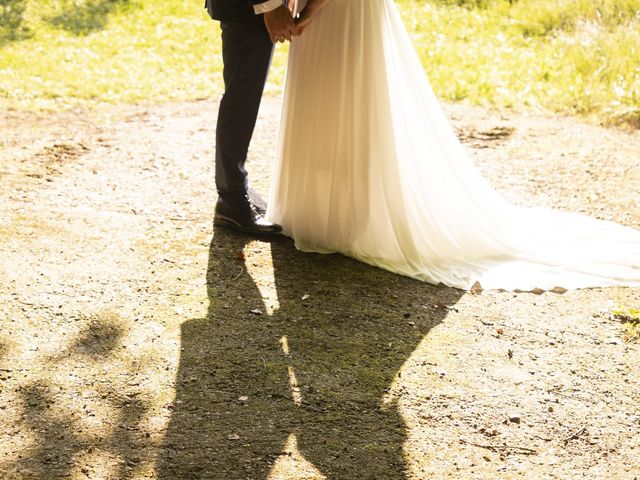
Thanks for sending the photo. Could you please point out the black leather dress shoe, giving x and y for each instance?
(244, 216)
(257, 201)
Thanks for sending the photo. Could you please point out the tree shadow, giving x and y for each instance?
(12, 22)
(59, 419)
(56, 438)
(317, 369)
(97, 340)
(87, 17)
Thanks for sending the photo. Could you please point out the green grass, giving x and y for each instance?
(575, 56)
(113, 51)
(630, 318)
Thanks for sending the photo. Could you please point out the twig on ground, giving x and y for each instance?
(184, 219)
(239, 274)
(523, 450)
(575, 435)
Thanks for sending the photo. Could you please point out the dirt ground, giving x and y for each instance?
(138, 342)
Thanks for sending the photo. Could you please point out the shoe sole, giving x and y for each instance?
(221, 221)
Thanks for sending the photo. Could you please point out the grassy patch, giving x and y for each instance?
(113, 51)
(573, 57)
(12, 21)
(630, 318)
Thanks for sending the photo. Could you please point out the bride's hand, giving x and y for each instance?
(306, 16)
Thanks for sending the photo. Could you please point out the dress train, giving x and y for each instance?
(369, 166)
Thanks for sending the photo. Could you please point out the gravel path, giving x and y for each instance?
(137, 342)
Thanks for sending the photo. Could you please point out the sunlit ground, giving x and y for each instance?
(135, 342)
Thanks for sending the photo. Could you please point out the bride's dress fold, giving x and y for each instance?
(369, 166)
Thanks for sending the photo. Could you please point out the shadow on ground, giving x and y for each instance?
(63, 436)
(4, 350)
(12, 21)
(317, 369)
(86, 17)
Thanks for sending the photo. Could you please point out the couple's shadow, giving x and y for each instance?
(315, 371)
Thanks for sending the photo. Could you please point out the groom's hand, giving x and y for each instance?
(280, 24)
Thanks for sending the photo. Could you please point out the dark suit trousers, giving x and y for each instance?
(246, 54)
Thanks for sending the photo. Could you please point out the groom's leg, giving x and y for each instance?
(246, 53)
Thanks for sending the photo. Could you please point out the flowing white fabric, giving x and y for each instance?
(370, 167)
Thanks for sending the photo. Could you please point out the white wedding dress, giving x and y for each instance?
(369, 166)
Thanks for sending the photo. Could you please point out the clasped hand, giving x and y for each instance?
(282, 26)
